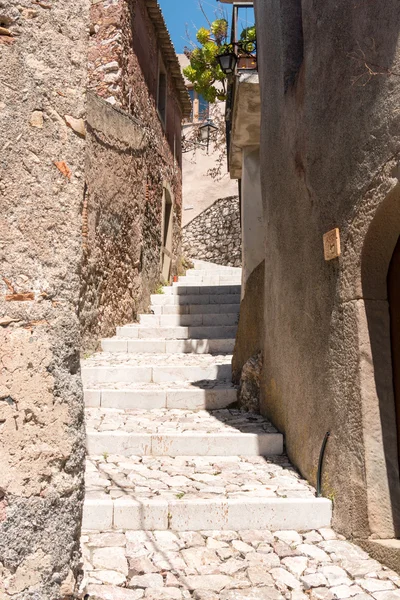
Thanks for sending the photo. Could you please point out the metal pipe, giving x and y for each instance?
(320, 463)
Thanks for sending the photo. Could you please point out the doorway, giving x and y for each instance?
(393, 283)
(166, 247)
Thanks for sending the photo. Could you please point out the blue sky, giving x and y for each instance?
(179, 13)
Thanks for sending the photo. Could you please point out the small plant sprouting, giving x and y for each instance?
(105, 455)
(180, 495)
(159, 289)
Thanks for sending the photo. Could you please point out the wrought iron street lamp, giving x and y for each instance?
(227, 62)
(206, 131)
(202, 137)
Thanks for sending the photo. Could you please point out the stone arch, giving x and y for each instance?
(375, 371)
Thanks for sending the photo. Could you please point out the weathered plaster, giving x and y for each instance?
(43, 67)
(253, 232)
(329, 142)
(245, 119)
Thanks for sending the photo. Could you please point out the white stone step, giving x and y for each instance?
(127, 368)
(192, 493)
(165, 432)
(182, 290)
(188, 320)
(195, 309)
(211, 395)
(169, 346)
(222, 280)
(177, 333)
(127, 513)
(214, 272)
(174, 300)
(203, 265)
(183, 444)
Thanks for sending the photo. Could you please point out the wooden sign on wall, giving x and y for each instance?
(332, 244)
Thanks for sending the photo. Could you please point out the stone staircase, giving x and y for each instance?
(167, 454)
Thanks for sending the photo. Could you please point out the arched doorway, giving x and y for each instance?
(379, 339)
(393, 283)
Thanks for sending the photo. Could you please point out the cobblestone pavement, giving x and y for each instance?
(228, 565)
(194, 477)
(176, 421)
(108, 359)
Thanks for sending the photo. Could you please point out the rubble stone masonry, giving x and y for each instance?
(215, 234)
(42, 87)
(131, 159)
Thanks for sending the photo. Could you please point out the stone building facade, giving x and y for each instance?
(329, 156)
(133, 196)
(90, 197)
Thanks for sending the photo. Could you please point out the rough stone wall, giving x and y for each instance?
(215, 234)
(42, 85)
(130, 159)
(330, 142)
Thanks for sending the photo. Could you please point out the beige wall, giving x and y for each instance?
(200, 190)
(252, 214)
(43, 82)
(330, 138)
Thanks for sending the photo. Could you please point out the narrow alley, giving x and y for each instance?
(199, 300)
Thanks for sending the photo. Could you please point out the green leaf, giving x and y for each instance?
(203, 35)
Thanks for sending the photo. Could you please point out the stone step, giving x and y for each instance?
(223, 280)
(212, 332)
(203, 265)
(214, 272)
(176, 300)
(169, 346)
(165, 432)
(209, 395)
(197, 493)
(188, 320)
(107, 367)
(128, 513)
(182, 290)
(183, 444)
(195, 309)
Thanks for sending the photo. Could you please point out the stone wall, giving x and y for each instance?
(131, 159)
(125, 176)
(215, 234)
(42, 88)
(330, 142)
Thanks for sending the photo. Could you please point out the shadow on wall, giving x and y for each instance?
(215, 234)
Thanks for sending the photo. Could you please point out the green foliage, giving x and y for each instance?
(204, 71)
(248, 34)
(248, 38)
(159, 289)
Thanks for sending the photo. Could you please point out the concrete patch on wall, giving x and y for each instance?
(215, 234)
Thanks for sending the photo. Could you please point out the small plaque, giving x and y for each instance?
(332, 244)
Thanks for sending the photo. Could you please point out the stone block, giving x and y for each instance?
(138, 515)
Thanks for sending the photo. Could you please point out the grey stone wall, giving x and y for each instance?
(330, 142)
(42, 86)
(215, 234)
